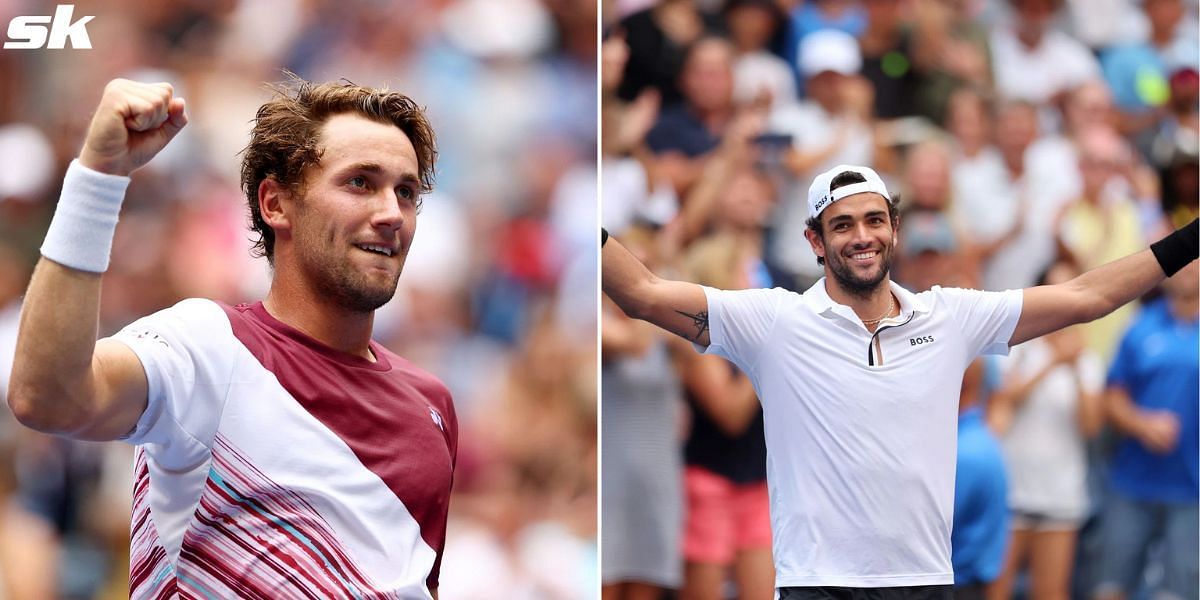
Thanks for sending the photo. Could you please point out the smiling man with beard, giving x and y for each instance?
(859, 381)
(280, 451)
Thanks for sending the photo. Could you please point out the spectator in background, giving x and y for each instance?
(815, 15)
(977, 168)
(1014, 203)
(929, 253)
(888, 59)
(1178, 133)
(759, 76)
(1099, 24)
(1054, 158)
(1181, 182)
(659, 38)
(702, 210)
(927, 180)
(1035, 62)
(842, 15)
(928, 189)
(1137, 71)
(728, 528)
(687, 131)
(1152, 400)
(832, 126)
(1044, 412)
(927, 177)
(29, 166)
(1102, 225)
(633, 188)
(980, 530)
(952, 52)
(642, 475)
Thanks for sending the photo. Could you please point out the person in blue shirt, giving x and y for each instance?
(808, 17)
(1152, 400)
(980, 531)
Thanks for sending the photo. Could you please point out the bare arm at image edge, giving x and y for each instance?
(1104, 289)
(63, 380)
(676, 306)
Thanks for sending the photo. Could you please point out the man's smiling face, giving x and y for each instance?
(856, 241)
(355, 222)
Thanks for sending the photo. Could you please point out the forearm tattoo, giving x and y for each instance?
(700, 320)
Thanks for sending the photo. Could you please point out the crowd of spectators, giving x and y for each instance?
(498, 297)
(1029, 140)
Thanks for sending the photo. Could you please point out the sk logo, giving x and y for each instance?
(29, 32)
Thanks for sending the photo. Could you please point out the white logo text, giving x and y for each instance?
(30, 32)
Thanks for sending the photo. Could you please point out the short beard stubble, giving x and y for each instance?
(335, 278)
(853, 284)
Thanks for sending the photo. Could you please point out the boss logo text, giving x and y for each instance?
(917, 341)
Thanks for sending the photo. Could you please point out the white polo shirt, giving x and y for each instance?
(860, 427)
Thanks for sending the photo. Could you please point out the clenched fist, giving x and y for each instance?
(133, 122)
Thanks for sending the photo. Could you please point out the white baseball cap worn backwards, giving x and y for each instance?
(820, 197)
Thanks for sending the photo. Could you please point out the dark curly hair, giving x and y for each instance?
(285, 139)
(843, 179)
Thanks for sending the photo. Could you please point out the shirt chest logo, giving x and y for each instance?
(920, 340)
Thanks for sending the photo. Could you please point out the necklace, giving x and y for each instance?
(891, 305)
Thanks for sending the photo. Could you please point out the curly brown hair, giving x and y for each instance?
(285, 139)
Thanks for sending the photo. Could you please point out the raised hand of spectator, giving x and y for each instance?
(679, 21)
(614, 53)
(932, 16)
(622, 336)
(739, 136)
(737, 149)
(1146, 189)
(637, 119)
(964, 60)
(1159, 431)
(858, 97)
(1143, 180)
(931, 21)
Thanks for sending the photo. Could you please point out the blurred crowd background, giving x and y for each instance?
(498, 297)
(1029, 140)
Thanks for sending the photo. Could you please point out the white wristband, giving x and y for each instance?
(81, 233)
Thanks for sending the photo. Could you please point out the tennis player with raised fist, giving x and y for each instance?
(280, 451)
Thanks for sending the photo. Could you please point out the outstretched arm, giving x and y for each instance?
(676, 306)
(1104, 289)
(63, 381)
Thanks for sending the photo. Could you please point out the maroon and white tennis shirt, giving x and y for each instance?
(271, 466)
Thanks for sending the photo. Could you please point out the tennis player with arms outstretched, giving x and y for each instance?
(280, 452)
(859, 381)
